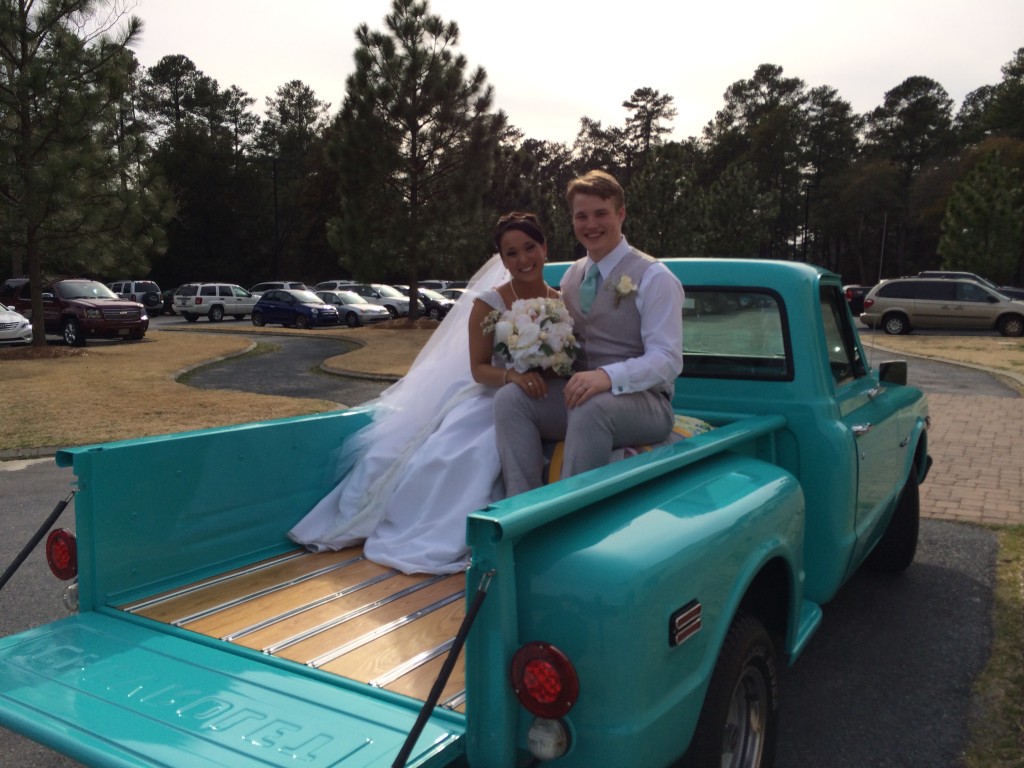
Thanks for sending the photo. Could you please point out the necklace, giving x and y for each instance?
(512, 285)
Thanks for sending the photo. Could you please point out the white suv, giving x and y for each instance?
(146, 292)
(277, 285)
(213, 300)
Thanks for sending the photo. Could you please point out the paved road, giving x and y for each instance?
(886, 682)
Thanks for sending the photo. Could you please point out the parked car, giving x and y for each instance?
(354, 309)
(1007, 290)
(79, 309)
(335, 285)
(146, 292)
(15, 328)
(855, 297)
(214, 300)
(434, 305)
(258, 289)
(453, 293)
(386, 296)
(301, 308)
(10, 287)
(902, 304)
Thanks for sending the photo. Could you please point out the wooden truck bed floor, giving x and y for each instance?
(335, 611)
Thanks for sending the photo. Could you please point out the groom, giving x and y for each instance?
(627, 311)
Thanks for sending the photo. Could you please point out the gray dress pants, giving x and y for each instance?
(591, 431)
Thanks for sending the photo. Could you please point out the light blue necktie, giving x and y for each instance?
(588, 288)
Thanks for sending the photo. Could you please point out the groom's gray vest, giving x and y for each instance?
(610, 332)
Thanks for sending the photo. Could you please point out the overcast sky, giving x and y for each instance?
(552, 62)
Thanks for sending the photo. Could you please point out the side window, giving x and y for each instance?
(224, 290)
(208, 290)
(936, 290)
(971, 292)
(239, 292)
(842, 352)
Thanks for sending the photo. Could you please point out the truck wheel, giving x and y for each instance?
(72, 332)
(190, 316)
(896, 549)
(1011, 325)
(739, 722)
(216, 313)
(896, 324)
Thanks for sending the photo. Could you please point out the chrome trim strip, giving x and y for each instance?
(196, 587)
(309, 606)
(306, 634)
(263, 592)
(415, 662)
(369, 637)
(455, 701)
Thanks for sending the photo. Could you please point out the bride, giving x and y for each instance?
(429, 456)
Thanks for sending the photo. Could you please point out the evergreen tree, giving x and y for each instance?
(67, 176)
(413, 148)
(983, 230)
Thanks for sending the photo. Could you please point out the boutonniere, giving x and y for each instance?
(624, 287)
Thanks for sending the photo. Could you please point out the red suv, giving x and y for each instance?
(80, 309)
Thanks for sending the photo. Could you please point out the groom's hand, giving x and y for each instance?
(584, 385)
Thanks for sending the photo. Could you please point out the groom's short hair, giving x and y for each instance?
(599, 183)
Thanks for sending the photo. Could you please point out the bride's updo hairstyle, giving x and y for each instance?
(523, 222)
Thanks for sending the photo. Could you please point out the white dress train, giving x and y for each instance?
(427, 460)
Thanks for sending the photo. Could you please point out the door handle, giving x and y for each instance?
(861, 429)
(875, 392)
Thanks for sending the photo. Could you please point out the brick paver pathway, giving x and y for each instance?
(977, 444)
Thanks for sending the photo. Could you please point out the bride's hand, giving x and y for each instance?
(532, 384)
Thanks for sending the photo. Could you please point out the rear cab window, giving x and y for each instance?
(736, 333)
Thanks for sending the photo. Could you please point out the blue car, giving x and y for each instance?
(303, 309)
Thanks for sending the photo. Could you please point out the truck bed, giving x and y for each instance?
(336, 612)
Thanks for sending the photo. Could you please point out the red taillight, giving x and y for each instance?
(868, 303)
(199, 300)
(62, 554)
(544, 680)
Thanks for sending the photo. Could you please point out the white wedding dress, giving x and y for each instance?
(426, 461)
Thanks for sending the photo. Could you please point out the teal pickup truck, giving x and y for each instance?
(636, 615)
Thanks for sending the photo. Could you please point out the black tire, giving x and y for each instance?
(896, 324)
(257, 319)
(392, 311)
(352, 320)
(216, 313)
(301, 321)
(71, 330)
(190, 316)
(1011, 325)
(152, 300)
(896, 549)
(738, 724)
(434, 313)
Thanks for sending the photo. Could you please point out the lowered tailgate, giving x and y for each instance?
(111, 692)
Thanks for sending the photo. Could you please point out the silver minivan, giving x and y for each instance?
(902, 304)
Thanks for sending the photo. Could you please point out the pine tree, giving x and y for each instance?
(983, 229)
(413, 145)
(69, 174)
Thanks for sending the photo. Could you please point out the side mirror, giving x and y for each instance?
(893, 372)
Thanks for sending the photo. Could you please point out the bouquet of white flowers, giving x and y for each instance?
(534, 333)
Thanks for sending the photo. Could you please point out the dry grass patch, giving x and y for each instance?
(116, 390)
(997, 352)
